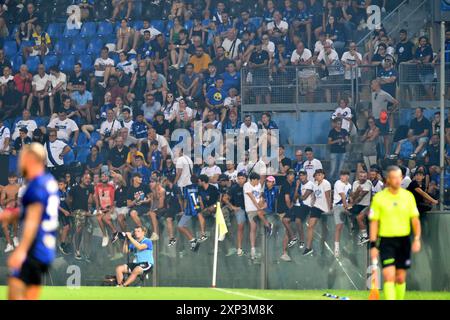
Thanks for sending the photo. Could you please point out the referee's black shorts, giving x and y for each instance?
(395, 251)
(31, 272)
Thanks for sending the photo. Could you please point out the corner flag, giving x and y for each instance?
(220, 222)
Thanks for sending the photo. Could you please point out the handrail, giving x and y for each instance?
(361, 41)
(397, 26)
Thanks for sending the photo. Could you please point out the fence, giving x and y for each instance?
(178, 266)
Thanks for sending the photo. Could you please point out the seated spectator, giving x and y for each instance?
(200, 60)
(178, 49)
(28, 18)
(212, 171)
(266, 122)
(169, 169)
(118, 7)
(126, 118)
(209, 78)
(248, 127)
(278, 28)
(25, 123)
(268, 46)
(139, 128)
(5, 78)
(94, 161)
(125, 36)
(145, 49)
(150, 107)
(245, 49)
(158, 86)
(231, 125)
(182, 115)
(58, 81)
(155, 157)
(302, 22)
(432, 158)
(163, 145)
(335, 33)
(379, 55)
(132, 154)
(76, 78)
(161, 125)
(104, 67)
(405, 147)
(12, 101)
(140, 83)
(161, 60)
(117, 157)
(41, 46)
(231, 78)
(221, 61)
(23, 83)
(418, 188)
(232, 101)
(215, 98)
(319, 45)
(146, 34)
(82, 101)
(118, 108)
(125, 64)
(138, 166)
(169, 107)
(56, 151)
(40, 87)
(110, 127)
(244, 25)
(189, 83)
(387, 75)
(65, 127)
(421, 129)
(68, 108)
(231, 44)
(21, 140)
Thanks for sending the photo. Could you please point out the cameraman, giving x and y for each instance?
(142, 249)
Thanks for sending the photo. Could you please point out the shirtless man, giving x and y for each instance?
(8, 199)
(158, 194)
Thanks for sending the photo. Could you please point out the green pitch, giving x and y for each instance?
(169, 293)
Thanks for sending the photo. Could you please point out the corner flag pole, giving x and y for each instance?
(442, 107)
(216, 248)
(221, 231)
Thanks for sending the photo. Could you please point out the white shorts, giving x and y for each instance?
(121, 211)
(38, 52)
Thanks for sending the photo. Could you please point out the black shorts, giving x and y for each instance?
(301, 212)
(141, 210)
(315, 213)
(357, 209)
(396, 252)
(63, 219)
(168, 213)
(384, 127)
(144, 265)
(31, 272)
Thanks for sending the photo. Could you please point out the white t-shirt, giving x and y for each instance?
(4, 134)
(303, 188)
(282, 26)
(378, 187)
(405, 182)
(65, 128)
(349, 59)
(311, 167)
(333, 56)
(29, 124)
(343, 113)
(319, 194)
(270, 48)
(162, 142)
(232, 175)
(56, 148)
(153, 32)
(110, 127)
(366, 186)
(341, 187)
(102, 62)
(211, 172)
(62, 78)
(186, 165)
(40, 82)
(232, 52)
(259, 168)
(4, 80)
(253, 129)
(306, 55)
(128, 125)
(257, 193)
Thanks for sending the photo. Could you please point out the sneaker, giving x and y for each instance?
(240, 252)
(16, 242)
(413, 156)
(195, 244)
(77, 255)
(285, 257)
(181, 254)
(253, 254)
(363, 240)
(336, 252)
(116, 256)
(105, 241)
(269, 229)
(292, 242)
(301, 245)
(308, 252)
(231, 252)
(393, 156)
(132, 51)
(172, 242)
(174, 66)
(115, 237)
(203, 238)
(154, 237)
(9, 248)
(62, 249)
(102, 84)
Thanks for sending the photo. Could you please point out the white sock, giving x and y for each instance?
(336, 245)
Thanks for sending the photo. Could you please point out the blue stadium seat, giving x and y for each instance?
(41, 121)
(82, 140)
(12, 34)
(55, 30)
(13, 163)
(95, 136)
(94, 47)
(188, 24)
(10, 48)
(16, 62)
(32, 63)
(158, 25)
(115, 57)
(138, 25)
(168, 27)
(62, 47)
(86, 62)
(78, 47)
(82, 154)
(25, 44)
(50, 61)
(88, 30)
(67, 63)
(69, 157)
(257, 21)
(71, 33)
(104, 29)
(206, 22)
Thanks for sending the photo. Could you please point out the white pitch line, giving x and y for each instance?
(240, 294)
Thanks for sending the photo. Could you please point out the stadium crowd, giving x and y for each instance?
(104, 91)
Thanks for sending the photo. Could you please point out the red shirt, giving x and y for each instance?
(105, 193)
(23, 85)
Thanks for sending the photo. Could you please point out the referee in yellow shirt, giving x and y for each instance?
(392, 213)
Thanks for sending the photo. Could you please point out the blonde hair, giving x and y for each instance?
(37, 150)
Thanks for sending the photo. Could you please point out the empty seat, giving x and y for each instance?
(50, 61)
(188, 25)
(94, 47)
(88, 30)
(32, 63)
(86, 62)
(104, 29)
(55, 30)
(16, 62)
(159, 25)
(10, 48)
(82, 154)
(67, 63)
(62, 47)
(71, 33)
(78, 47)
(256, 21)
(138, 25)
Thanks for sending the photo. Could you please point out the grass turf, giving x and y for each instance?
(172, 293)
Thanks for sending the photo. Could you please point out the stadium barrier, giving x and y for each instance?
(178, 266)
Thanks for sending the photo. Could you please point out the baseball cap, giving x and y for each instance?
(224, 177)
(290, 172)
(24, 130)
(270, 178)
(302, 172)
(383, 117)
